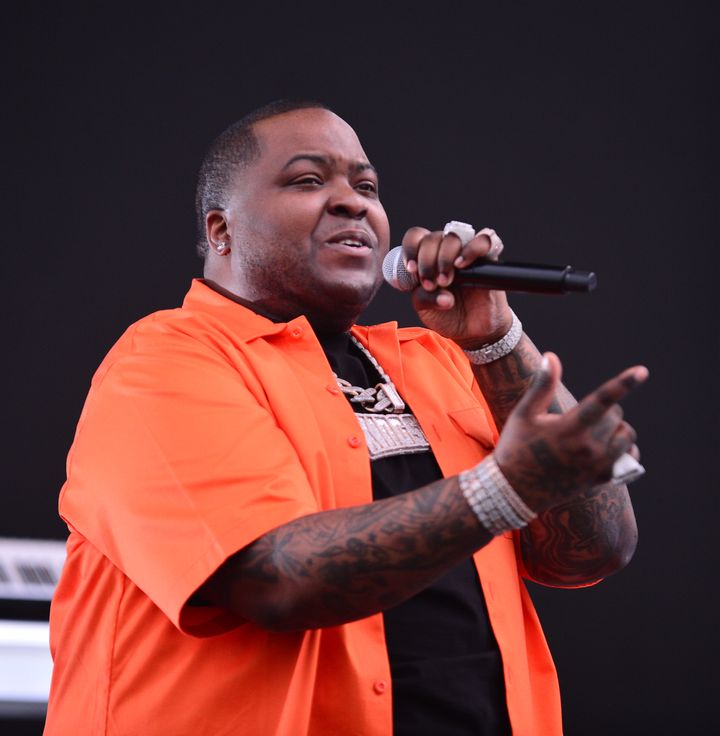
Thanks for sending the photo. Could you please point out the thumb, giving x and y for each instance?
(539, 394)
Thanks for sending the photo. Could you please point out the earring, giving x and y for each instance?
(221, 248)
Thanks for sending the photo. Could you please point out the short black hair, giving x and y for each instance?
(234, 148)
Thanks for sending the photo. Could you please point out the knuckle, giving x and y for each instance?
(605, 396)
(587, 414)
(415, 233)
(476, 248)
(618, 447)
(426, 268)
(445, 263)
(411, 239)
(428, 239)
(452, 238)
(630, 381)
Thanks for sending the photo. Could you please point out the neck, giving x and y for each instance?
(321, 323)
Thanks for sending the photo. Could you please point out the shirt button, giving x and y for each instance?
(296, 332)
(354, 441)
(333, 389)
(379, 686)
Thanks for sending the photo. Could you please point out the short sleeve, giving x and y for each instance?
(176, 465)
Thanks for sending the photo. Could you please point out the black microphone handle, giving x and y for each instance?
(504, 276)
(528, 277)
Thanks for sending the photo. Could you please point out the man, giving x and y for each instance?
(282, 523)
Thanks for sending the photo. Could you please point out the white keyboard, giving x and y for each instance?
(29, 571)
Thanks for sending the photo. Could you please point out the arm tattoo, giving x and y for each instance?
(504, 381)
(566, 478)
(587, 536)
(580, 541)
(337, 566)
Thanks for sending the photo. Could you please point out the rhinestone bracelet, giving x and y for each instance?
(496, 350)
(496, 505)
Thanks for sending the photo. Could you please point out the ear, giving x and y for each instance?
(217, 231)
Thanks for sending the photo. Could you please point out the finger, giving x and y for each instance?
(594, 406)
(496, 245)
(539, 394)
(603, 429)
(410, 245)
(485, 244)
(622, 441)
(476, 248)
(450, 248)
(635, 452)
(427, 257)
(438, 299)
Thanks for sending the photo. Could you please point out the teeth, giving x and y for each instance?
(348, 241)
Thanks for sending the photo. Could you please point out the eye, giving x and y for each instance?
(307, 180)
(367, 186)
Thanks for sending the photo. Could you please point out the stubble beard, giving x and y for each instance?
(289, 289)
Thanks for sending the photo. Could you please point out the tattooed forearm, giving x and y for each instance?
(504, 381)
(586, 539)
(337, 566)
(587, 536)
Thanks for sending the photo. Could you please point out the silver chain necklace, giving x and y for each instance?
(383, 399)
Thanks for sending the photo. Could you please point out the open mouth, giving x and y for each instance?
(352, 240)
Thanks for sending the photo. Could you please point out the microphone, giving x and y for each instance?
(540, 279)
(528, 277)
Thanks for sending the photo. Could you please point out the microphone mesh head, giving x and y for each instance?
(395, 273)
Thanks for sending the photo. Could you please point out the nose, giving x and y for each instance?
(345, 201)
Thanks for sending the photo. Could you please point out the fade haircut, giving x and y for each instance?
(236, 147)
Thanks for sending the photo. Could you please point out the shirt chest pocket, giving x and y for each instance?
(473, 422)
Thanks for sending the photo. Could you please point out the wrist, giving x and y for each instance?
(494, 349)
(493, 500)
(489, 330)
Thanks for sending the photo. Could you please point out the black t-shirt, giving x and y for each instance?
(445, 663)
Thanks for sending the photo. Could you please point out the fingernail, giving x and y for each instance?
(443, 280)
(458, 262)
(638, 376)
(411, 266)
(545, 364)
(444, 300)
(428, 285)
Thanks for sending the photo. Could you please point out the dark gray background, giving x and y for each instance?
(584, 134)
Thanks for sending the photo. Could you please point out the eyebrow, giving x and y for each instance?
(327, 161)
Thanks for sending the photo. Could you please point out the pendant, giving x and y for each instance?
(387, 396)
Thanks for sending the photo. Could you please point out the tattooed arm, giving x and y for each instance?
(586, 536)
(584, 532)
(337, 566)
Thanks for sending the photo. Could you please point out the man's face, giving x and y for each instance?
(308, 232)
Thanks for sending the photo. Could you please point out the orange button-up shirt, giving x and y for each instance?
(204, 428)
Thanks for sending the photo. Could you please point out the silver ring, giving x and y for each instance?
(496, 245)
(463, 230)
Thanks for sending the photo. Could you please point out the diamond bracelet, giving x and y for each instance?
(493, 500)
(496, 350)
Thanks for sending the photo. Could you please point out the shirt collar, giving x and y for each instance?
(248, 324)
(244, 321)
